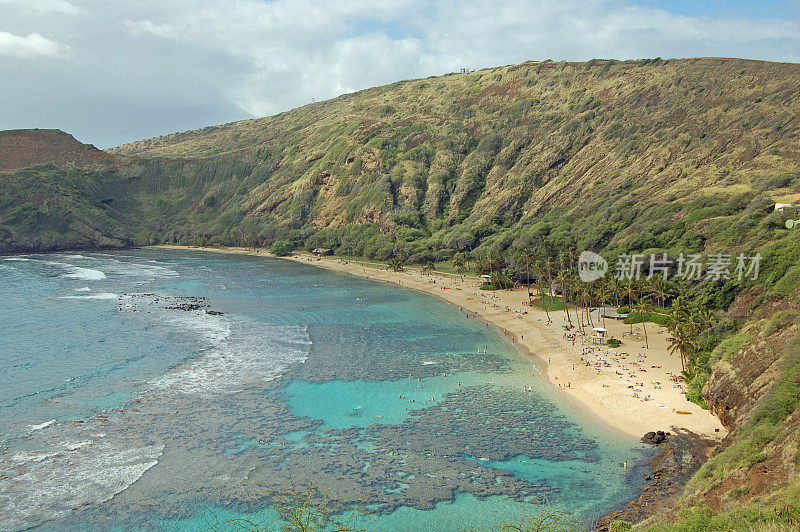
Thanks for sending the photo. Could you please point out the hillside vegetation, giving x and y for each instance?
(633, 155)
(541, 159)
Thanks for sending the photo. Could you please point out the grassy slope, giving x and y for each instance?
(628, 154)
(46, 208)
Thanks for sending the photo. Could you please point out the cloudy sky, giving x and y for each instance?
(112, 71)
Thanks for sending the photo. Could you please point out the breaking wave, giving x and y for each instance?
(238, 354)
(39, 486)
(86, 274)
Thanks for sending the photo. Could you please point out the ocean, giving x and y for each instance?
(176, 390)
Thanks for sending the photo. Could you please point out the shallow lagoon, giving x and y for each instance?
(179, 419)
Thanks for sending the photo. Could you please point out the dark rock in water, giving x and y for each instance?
(655, 438)
(138, 302)
(214, 313)
(680, 457)
(184, 306)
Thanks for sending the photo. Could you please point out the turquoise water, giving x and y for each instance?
(171, 390)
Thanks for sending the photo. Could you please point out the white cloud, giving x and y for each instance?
(29, 45)
(141, 27)
(45, 6)
(156, 67)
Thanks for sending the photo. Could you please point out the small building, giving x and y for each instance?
(486, 278)
(781, 207)
(321, 252)
(599, 336)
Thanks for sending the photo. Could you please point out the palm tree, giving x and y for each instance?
(500, 279)
(603, 293)
(395, 264)
(680, 342)
(590, 290)
(547, 264)
(687, 320)
(494, 261)
(528, 258)
(585, 293)
(481, 265)
(631, 291)
(659, 289)
(460, 265)
(615, 289)
(545, 303)
(563, 279)
(644, 307)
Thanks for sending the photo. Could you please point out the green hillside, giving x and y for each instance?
(633, 154)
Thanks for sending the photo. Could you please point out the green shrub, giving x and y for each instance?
(730, 347)
(788, 284)
(779, 321)
(784, 397)
(738, 492)
(624, 309)
(695, 385)
(281, 248)
(619, 526)
(696, 398)
(613, 342)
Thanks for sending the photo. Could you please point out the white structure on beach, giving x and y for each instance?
(599, 336)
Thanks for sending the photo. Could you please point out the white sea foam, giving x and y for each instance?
(100, 295)
(87, 274)
(39, 486)
(83, 289)
(17, 259)
(151, 270)
(238, 354)
(76, 272)
(41, 425)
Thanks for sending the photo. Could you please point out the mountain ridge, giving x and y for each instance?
(559, 136)
(21, 148)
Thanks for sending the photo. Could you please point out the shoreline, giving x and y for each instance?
(603, 384)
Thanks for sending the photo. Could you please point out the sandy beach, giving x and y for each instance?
(633, 388)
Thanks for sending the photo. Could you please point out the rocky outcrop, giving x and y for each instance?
(21, 148)
(681, 455)
(656, 437)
